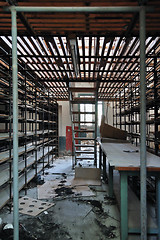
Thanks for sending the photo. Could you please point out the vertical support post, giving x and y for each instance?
(124, 108)
(129, 116)
(116, 113)
(57, 127)
(104, 167)
(25, 127)
(132, 113)
(15, 126)
(52, 127)
(155, 107)
(36, 147)
(158, 205)
(110, 181)
(120, 111)
(113, 114)
(103, 108)
(136, 114)
(100, 157)
(10, 134)
(43, 117)
(96, 118)
(48, 108)
(124, 205)
(143, 125)
(74, 159)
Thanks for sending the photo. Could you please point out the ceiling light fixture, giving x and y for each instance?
(74, 53)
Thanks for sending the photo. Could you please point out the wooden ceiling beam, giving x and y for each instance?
(117, 47)
(55, 71)
(90, 49)
(83, 50)
(64, 53)
(23, 18)
(83, 80)
(86, 71)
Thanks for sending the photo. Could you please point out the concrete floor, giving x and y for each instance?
(76, 218)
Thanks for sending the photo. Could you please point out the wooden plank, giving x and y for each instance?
(149, 169)
(33, 207)
(85, 182)
(87, 173)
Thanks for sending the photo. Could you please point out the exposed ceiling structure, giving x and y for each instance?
(57, 48)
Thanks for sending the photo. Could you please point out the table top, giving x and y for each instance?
(126, 156)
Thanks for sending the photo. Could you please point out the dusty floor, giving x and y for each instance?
(76, 218)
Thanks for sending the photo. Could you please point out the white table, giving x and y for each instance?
(125, 158)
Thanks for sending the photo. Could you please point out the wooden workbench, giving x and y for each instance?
(125, 157)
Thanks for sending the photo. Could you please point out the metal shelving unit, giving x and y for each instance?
(38, 131)
(126, 111)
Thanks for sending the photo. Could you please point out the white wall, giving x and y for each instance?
(65, 120)
(64, 117)
(108, 112)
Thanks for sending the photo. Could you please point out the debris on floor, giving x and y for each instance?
(107, 231)
(74, 186)
(110, 200)
(33, 207)
(42, 229)
(47, 190)
(45, 227)
(57, 188)
(38, 179)
(80, 212)
(7, 232)
(83, 191)
(63, 191)
(97, 205)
